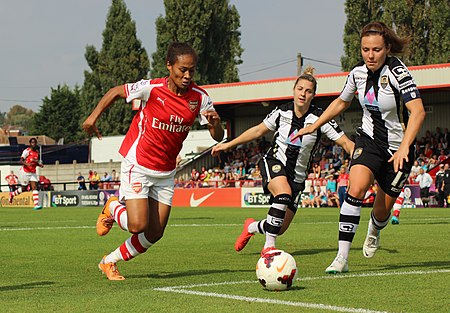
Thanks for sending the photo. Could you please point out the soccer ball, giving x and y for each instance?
(276, 270)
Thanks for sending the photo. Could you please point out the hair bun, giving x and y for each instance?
(309, 70)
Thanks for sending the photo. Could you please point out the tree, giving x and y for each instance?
(59, 115)
(211, 27)
(122, 59)
(2, 118)
(426, 22)
(19, 116)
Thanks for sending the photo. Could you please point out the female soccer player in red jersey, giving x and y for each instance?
(168, 109)
(30, 160)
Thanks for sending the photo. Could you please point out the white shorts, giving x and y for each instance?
(137, 182)
(26, 177)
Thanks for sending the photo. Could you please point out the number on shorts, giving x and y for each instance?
(399, 180)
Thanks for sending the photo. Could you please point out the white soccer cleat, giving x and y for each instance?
(339, 265)
(371, 245)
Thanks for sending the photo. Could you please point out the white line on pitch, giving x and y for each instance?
(178, 225)
(183, 290)
(271, 301)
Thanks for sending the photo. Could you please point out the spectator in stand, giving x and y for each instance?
(333, 199)
(330, 171)
(105, 180)
(320, 198)
(309, 201)
(12, 181)
(439, 181)
(323, 164)
(428, 151)
(432, 162)
(216, 180)
(446, 182)
(316, 170)
(229, 179)
(94, 180)
(195, 177)
(442, 156)
(331, 183)
(115, 176)
(81, 182)
(424, 179)
(255, 175)
(423, 165)
(91, 174)
(415, 169)
(342, 184)
(443, 144)
(226, 168)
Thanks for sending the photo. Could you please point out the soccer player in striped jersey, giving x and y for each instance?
(27, 173)
(393, 114)
(169, 107)
(285, 166)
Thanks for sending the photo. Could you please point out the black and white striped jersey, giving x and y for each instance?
(296, 155)
(382, 95)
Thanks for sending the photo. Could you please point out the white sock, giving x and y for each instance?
(119, 213)
(344, 248)
(253, 227)
(270, 241)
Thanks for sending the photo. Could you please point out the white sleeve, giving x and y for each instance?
(25, 154)
(271, 119)
(206, 105)
(139, 90)
(332, 130)
(349, 90)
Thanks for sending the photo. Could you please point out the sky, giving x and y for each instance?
(44, 41)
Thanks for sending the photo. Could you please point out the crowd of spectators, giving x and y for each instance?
(328, 176)
(95, 182)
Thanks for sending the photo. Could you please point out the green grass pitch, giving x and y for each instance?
(49, 262)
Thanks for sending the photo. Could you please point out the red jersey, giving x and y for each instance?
(343, 179)
(158, 129)
(12, 179)
(32, 157)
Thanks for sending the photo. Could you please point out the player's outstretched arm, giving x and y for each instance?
(247, 136)
(334, 109)
(105, 102)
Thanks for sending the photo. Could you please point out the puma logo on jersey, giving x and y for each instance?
(161, 100)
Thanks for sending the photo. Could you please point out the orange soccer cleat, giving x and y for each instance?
(105, 220)
(110, 270)
(244, 237)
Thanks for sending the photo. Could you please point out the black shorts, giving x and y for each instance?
(369, 154)
(271, 168)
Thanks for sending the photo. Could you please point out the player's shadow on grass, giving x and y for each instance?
(426, 265)
(37, 284)
(317, 251)
(187, 273)
(190, 218)
(425, 223)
